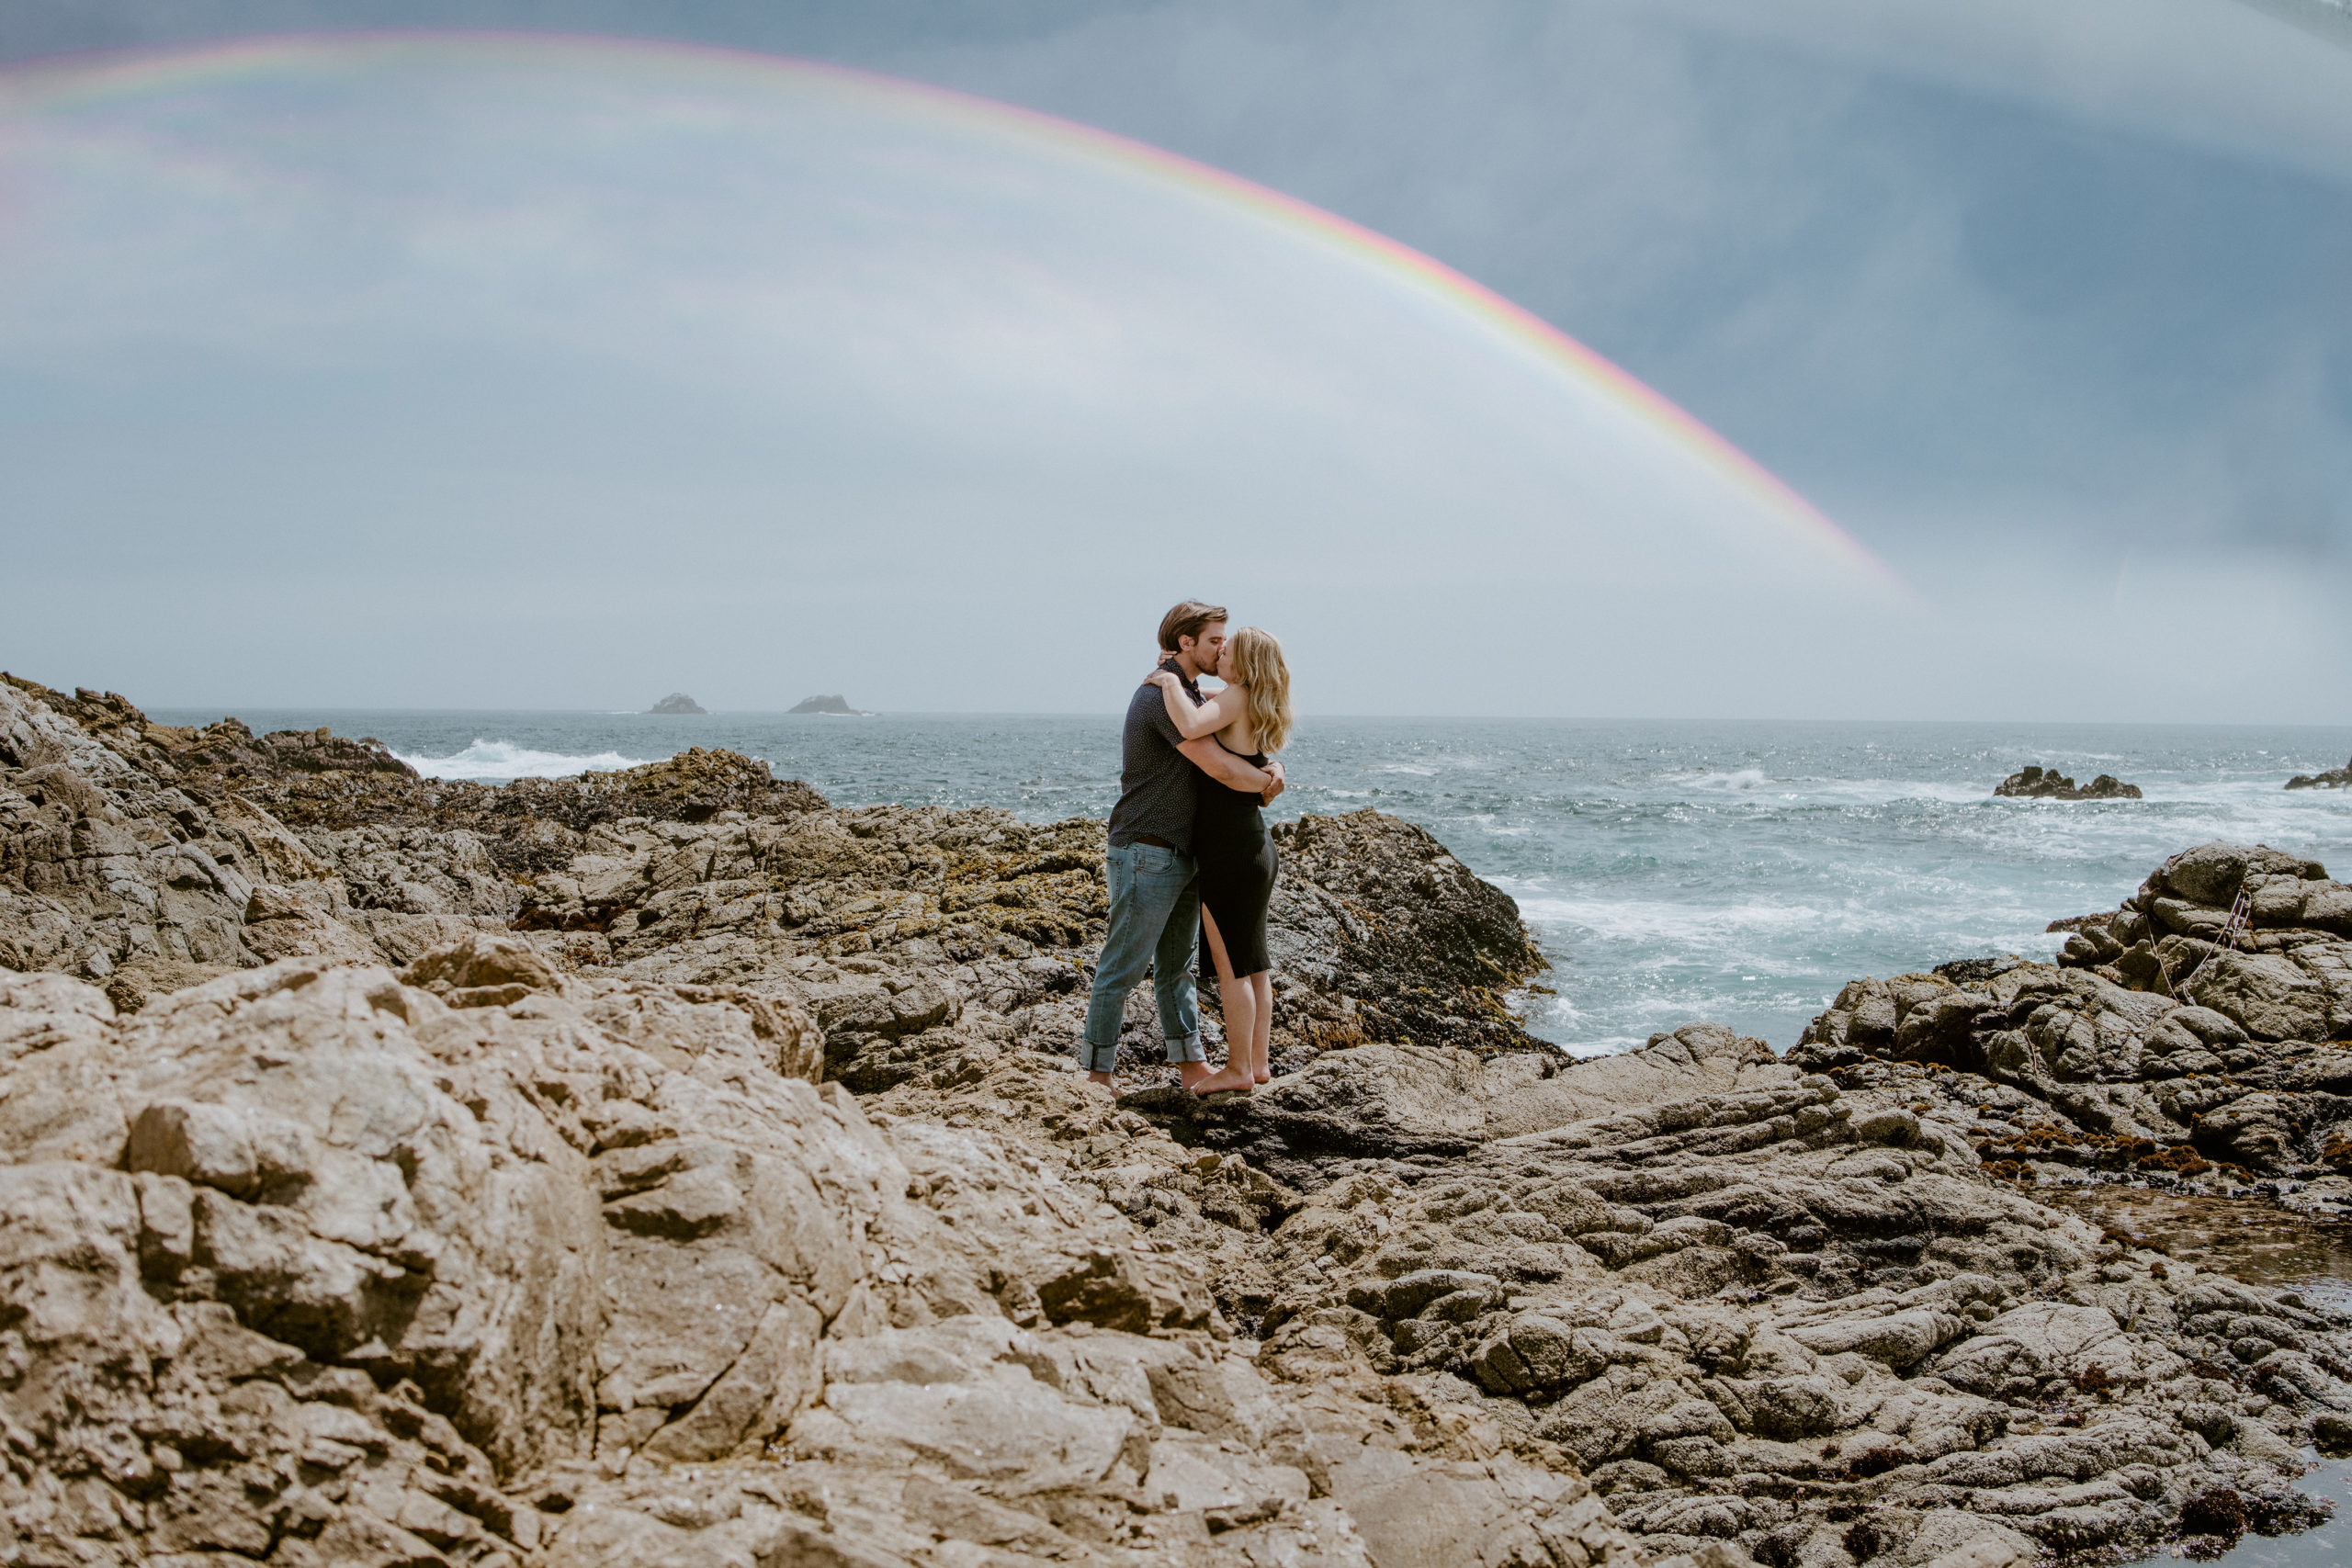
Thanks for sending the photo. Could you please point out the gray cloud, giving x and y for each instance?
(525, 362)
(2044, 301)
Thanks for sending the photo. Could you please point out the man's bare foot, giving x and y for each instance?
(1191, 1073)
(1222, 1080)
(1105, 1080)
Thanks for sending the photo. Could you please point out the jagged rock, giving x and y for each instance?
(2035, 783)
(328, 1268)
(677, 702)
(833, 703)
(1759, 1306)
(533, 1240)
(546, 1250)
(2151, 1046)
(2334, 778)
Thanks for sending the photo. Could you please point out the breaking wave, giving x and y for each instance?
(496, 762)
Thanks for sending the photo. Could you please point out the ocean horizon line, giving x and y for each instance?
(221, 711)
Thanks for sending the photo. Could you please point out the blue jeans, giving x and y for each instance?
(1155, 919)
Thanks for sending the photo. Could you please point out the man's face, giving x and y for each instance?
(1202, 652)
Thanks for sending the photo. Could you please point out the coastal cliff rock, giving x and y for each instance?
(2035, 783)
(668, 1166)
(2334, 778)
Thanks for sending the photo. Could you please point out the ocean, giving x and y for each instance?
(1671, 870)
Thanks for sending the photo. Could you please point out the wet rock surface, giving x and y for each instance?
(2259, 1242)
(670, 1168)
(2036, 783)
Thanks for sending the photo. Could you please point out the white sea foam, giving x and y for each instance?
(1744, 778)
(1633, 920)
(498, 761)
(1608, 1045)
(1769, 793)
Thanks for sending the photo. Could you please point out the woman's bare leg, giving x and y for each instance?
(1261, 987)
(1240, 1000)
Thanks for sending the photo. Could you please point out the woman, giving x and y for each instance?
(1250, 718)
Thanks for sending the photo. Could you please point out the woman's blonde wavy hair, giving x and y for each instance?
(1258, 665)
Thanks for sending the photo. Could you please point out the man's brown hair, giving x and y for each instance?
(1186, 620)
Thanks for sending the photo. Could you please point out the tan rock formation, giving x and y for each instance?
(667, 1167)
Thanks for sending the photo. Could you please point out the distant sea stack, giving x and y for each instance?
(833, 703)
(2334, 778)
(677, 702)
(2048, 783)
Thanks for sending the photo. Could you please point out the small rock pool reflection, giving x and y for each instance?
(2263, 1245)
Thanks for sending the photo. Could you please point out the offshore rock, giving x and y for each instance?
(833, 703)
(677, 702)
(2034, 783)
(2334, 778)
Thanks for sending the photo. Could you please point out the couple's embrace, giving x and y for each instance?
(1191, 863)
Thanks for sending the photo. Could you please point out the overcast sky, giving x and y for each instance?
(2042, 301)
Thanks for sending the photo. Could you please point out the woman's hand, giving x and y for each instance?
(1163, 677)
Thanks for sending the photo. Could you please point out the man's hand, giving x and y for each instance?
(1266, 796)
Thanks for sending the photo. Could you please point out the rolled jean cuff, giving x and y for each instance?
(1093, 1059)
(1185, 1048)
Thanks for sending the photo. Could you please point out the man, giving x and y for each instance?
(1155, 904)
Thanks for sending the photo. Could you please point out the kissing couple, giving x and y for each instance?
(1189, 861)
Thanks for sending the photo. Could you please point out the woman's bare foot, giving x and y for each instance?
(1261, 1078)
(1224, 1080)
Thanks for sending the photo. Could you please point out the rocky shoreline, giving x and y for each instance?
(669, 1167)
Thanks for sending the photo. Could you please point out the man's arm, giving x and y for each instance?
(1225, 767)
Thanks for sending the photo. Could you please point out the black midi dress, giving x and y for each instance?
(1237, 862)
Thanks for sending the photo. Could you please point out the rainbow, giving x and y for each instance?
(102, 78)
